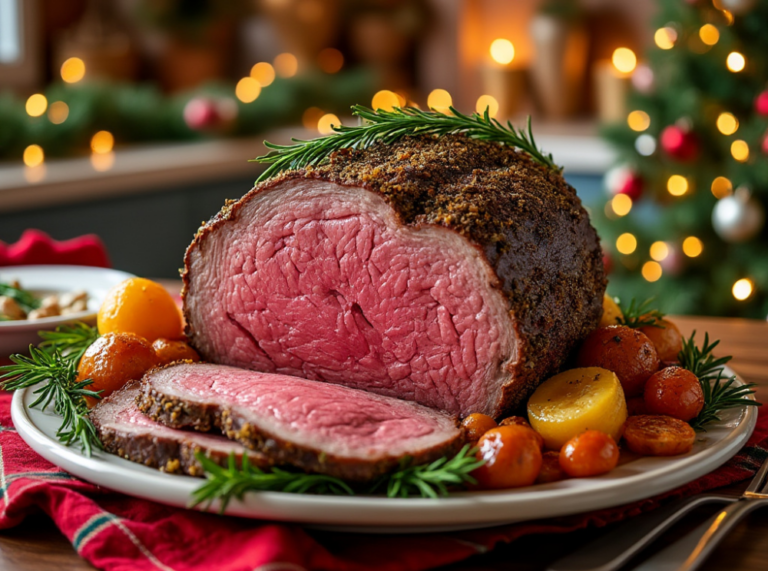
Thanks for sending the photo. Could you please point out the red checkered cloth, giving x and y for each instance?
(117, 532)
(36, 248)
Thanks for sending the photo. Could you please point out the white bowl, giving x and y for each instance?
(17, 336)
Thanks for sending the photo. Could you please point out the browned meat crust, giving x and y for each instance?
(178, 413)
(525, 218)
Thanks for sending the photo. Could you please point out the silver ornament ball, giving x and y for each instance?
(738, 218)
(738, 6)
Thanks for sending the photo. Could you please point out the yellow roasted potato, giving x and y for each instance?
(577, 400)
(611, 312)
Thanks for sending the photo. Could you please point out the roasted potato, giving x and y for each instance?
(652, 435)
(611, 312)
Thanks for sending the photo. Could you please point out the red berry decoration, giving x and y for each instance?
(679, 144)
(624, 180)
(201, 113)
(761, 104)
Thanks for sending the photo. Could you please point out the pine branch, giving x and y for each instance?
(638, 315)
(389, 126)
(25, 299)
(71, 339)
(56, 374)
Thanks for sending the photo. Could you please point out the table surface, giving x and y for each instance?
(36, 544)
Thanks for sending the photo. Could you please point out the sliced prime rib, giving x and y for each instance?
(124, 430)
(452, 272)
(318, 427)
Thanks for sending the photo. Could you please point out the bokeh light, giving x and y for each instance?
(330, 60)
(102, 142)
(626, 243)
(440, 100)
(665, 38)
(740, 150)
(692, 247)
(651, 271)
(264, 73)
(722, 187)
(36, 105)
(659, 251)
(621, 204)
(487, 102)
(709, 34)
(386, 100)
(624, 60)
(638, 120)
(502, 51)
(326, 122)
(33, 155)
(247, 90)
(286, 65)
(727, 124)
(58, 112)
(102, 161)
(73, 70)
(742, 289)
(735, 62)
(311, 116)
(677, 185)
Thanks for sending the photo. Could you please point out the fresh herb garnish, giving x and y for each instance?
(389, 126)
(233, 482)
(720, 393)
(426, 480)
(69, 339)
(637, 315)
(431, 480)
(56, 374)
(25, 299)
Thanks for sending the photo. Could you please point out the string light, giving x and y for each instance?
(742, 289)
(677, 185)
(36, 105)
(740, 150)
(439, 100)
(638, 120)
(58, 112)
(73, 70)
(286, 65)
(386, 100)
(692, 247)
(502, 51)
(621, 204)
(659, 251)
(311, 116)
(651, 271)
(709, 34)
(735, 62)
(722, 187)
(626, 243)
(727, 124)
(665, 38)
(330, 60)
(33, 156)
(487, 102)
(326, 123)
(247, 90)
(102, 142)
(264, 73)
(624, 60)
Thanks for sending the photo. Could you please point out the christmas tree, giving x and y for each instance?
(685, 220)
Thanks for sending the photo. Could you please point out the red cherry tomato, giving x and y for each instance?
(512, 457)
(589, 454)
(675, 392)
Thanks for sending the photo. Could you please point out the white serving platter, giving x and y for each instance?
(16, 336)
(629, 482)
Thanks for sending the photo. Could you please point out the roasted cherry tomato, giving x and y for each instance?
(651, 435)
(113, 360)
(477, 424)
(674, 391)
(591, 453)
(666, 338)
(627, 352)
(521, 421)
(512, 457)
(169, 350)
(550, 468)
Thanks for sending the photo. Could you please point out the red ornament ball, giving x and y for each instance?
(624, 180)
(761, 104)
(201, 113)
(680, 144)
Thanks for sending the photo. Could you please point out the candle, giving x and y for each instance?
(503, 80)
(612, 82)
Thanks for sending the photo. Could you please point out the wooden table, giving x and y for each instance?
(37, 545)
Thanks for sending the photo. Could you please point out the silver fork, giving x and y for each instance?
(616, 548)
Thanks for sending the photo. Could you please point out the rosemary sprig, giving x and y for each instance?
(720, 393)
(69, 340)
(427, 480)
(25, 299)
(389, 126)
(223, 484)
(637, 315)
(431, 480)
(56, 374)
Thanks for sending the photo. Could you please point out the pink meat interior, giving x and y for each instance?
(329, 418)
(322, 281)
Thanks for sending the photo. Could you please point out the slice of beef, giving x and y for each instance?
(124, 430)
(318, 427)
(453, 272)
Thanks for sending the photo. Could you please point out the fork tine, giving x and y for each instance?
(758, 485)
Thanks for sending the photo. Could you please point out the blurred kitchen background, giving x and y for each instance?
(134, 119)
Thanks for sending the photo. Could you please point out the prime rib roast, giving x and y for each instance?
(448, 271)
(125, 431)
(318, 427)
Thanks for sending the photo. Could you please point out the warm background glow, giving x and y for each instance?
(502, 51)
(692, 247)
(102, 142)
(722, 187)
(386, 100)
(621, 204)
(487, 102)
(709, 34)
(624, 60)
(735, 62)
(740, 150)
(58, 112)
(36, 105)
(665, 38)
(311, 116)
(626, 243)
(742, 289)
(659, 251)
(330, 60)
(677, 185)
(73, 70)
(247, 90)
(638, 120)
(33, 155)
(439, 100)
(326, 123)
(727, 124)
(651, 271)
(264, 73)
(286, 65)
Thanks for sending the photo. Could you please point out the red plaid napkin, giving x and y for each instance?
(117, 532)
(36, 247)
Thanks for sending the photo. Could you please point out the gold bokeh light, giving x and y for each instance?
(487, 102)
(58, 112)
(33, 156)
(102, 142)
(638, 120)
(740, 150)
(36, 105)
(727, 124)
(624, 60)
(326, 122)
(722, 187)
(502, 51)
(621, 204)
(709, 34)
(264, 73)
(286, 65)
(73, 70)
(677, 185)
(735, 62)
(386, 100)
(651, 271)
(692, 247)
(742, 289)
(247, 90)
(626, 243)
(439, 100)
(665, 38)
